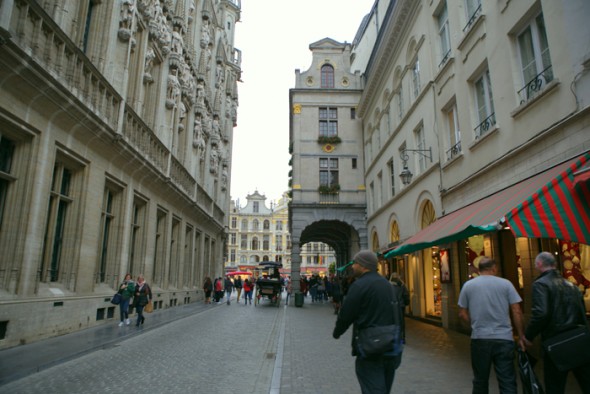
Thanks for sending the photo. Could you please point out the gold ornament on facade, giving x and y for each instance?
(328, 148)
(297, 108)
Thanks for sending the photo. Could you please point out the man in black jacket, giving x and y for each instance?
(371, 302)
(557, 306)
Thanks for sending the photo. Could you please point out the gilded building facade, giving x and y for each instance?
(258, 233)
(469, 108)
(116, 127)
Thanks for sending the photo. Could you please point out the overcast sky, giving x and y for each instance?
(274, 37)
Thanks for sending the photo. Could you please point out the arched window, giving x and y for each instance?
(327, 76)
(428, 214)
(394, 232)
(266, 225)
(255, 225)
(254, 243)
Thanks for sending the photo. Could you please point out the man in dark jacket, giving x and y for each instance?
(557, 306)
(371, 302)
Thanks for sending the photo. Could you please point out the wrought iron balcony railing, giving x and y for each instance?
(535, 85)
(485, 126)
(454, 151)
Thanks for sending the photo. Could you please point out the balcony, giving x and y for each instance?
(535, 85)
(485, 126)
(454, 151)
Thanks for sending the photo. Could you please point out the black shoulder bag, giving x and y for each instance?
(382, 340)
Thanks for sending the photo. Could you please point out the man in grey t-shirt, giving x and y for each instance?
(485, 303)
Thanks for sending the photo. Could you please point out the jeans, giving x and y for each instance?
(248, 296)
(239, 290)
(139, 310)
(228, 295)
(375, 375)
(555, 380)
(124, 308)
(500, 352)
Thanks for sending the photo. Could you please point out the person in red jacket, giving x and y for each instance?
(248, 288)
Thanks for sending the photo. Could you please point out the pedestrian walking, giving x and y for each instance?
(126, 289)
(289, 291)
(557, 306)
(370, 303)
(486, 303)
(229, 288)
(143, 296)
(218, 286)
(336, 294)
(208, 288)
(248, 287)
(396, 281)
(238, 286)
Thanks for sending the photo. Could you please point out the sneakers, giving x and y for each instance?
(128, 321)
(121, 324)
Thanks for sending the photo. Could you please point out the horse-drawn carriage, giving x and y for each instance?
(269, 285)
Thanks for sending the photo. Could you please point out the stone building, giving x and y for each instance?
(468, 109)
(116, 123)
(327, 175)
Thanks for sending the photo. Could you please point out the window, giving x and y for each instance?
(160, 247)
(60, 204)
(416, 78)
(266, 224)
(255, 225)
(87, 25)
(279, 243)
(137, 236)
(188, 266)
(254, 243)
(444, 35)
(420, 145)
(6, 158)
(453, 133)
(327, 76)
(232, 238)
(243, 241)
(353, 113)
(256, 206)
(108, 267)
(535, 59)
(328, 172)
(279, 225)
(354, 163)
(244, 224)
(266, 242)
(400, 103)
(234, 222)
(473, 9)
(392, 176)
(328, 122)
(485, 104)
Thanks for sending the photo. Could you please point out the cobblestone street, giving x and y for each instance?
(238, 349)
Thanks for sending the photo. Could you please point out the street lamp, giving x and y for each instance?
(406, 175)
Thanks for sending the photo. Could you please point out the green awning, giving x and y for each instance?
(344, 266)
(484, 216)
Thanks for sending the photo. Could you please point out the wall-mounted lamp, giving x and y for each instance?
(406, 175)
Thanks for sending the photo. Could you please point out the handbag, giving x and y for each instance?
(116, 300)
(374, 341)
(569, 349)
(530, 382)
(149, 307)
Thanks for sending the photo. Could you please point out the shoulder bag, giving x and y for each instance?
(149, 307)
(376, 341)
(116, 300)
(569, 349)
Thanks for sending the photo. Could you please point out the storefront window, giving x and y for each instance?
(476, 248)
(575, 258)
(436, 287)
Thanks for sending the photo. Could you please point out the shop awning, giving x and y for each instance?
(559, 209)
(479, 217)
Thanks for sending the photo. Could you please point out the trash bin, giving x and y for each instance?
(298, 300)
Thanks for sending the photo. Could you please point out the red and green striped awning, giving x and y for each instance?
(560, 209)
(485, 215)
